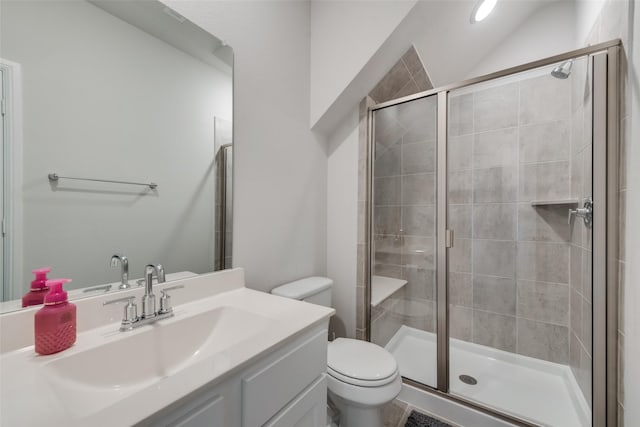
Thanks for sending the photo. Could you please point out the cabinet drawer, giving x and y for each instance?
(269, 390)
(308, 409)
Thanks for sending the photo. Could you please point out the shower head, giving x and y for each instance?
(563, 70)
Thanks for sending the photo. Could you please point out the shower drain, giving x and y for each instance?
(468, 379)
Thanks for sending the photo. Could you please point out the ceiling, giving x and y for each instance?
(450, 46)
(169, 26)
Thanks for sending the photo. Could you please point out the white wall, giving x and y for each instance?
(103, 99)
(280, 167)
(587, 12)
(344, 36)
(342, 216)
(549, 31)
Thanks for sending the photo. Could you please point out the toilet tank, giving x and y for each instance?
(316, 290)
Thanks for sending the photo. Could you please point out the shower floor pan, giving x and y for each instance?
(543, 392)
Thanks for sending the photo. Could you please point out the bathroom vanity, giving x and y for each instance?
(230, 356)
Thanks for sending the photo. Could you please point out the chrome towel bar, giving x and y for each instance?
(54, 177)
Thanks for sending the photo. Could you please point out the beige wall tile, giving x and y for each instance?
(543, 341)
(391, 83)
(419, 220)
(460, 152)
(387, 249)
(575, 315)
(461, 322)
(494, 221)
(418, 157)
(460, 114)
(575, 268)
(412, 61)
(495, 294)
(494, 258)
(421, 282)
(386, 191)
(545, 181)
(419, 189)
(543, 262)
(494, 330)
(544, 99)
(460, 256)
(461, 289)
(547, 302)
(460, 220)
(544, 142)
(495, 148)
(386, 220)
(460, 187)
(496, 108)
(389, 162)
(495, 185)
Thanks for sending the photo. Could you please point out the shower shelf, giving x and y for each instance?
(555, 202)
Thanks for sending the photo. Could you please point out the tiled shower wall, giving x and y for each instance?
(510, 145)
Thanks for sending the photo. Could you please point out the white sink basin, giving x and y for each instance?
(90, 380)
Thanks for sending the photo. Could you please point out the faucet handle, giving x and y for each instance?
(130, 315)
(165, 300)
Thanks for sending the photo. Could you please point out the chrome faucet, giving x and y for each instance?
(124, 272)
(131, 320)
(149, 299)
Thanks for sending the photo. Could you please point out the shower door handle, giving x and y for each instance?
(586, 212)
(448, 239)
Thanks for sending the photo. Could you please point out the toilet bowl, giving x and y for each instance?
(361, 377)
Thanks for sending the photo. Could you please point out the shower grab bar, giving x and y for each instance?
(54, 177)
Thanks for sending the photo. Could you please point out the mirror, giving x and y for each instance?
(116, 141)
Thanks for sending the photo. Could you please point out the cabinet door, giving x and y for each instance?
(269, 389)
(209, 414)
(308, 409)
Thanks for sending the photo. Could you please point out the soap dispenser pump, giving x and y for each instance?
(55, 323)
(38, 289)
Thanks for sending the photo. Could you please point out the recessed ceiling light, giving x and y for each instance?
(482, 9)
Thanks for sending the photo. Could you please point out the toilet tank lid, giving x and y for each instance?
(303, 288)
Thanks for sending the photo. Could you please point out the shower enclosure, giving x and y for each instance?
(492, 239)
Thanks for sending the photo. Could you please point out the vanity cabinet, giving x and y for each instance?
(284, 388)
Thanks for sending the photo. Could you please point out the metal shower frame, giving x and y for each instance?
(605, 62)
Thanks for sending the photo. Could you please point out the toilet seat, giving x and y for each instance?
(360, 363)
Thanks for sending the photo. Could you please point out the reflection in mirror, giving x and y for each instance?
(135, 100)
(224, 199)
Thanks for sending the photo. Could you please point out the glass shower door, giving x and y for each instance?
(403, 290)
(519, 276)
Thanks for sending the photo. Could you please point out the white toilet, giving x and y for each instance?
(362, 377)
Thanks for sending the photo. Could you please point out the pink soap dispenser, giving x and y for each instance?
(39, 288)
(55, 323)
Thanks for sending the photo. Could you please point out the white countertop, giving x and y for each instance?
(29, 396)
